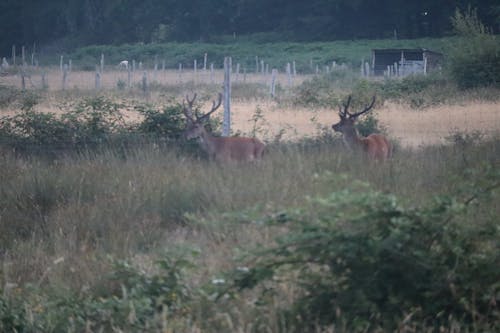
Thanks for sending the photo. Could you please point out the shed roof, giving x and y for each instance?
(396, 50)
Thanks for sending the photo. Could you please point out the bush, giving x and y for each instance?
(365, 262)
(474, 59)
(167, 122)
(140, 302)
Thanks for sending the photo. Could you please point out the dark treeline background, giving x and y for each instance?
(59, 24)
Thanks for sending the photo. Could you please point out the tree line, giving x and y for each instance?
(63, 24)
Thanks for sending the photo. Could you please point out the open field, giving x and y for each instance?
(410, 127)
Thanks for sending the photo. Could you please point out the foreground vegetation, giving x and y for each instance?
(152, 237)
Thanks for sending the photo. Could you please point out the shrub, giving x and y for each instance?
(140, 302)
(167, 122)
(365, 262)
(474, 59)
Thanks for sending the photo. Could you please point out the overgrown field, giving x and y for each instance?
(111, 221)
(152, 238)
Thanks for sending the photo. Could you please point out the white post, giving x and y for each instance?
(180, 73)
(226, 129)
(212, 73)
(65, 76)
(129, 77)
(145, 83)
(367, 69)
(61, 59)
(102, 62)
(97, 78)
(205, 62)
(289, 73)
(274, 72)
(237, 71)
(14, 55)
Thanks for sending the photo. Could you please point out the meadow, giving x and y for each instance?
(146, 234)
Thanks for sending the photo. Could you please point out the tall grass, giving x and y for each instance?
(61, 219)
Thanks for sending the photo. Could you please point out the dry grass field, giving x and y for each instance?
(411, 127)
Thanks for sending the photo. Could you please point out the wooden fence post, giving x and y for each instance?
(65, 76)
(274, 72)
(23, 59)
(44, 81)
(129, 74)
(226, 128)
(97, 78)
(145, 83)
(212, 73)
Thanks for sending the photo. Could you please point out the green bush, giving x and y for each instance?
(168, 122)
(365, 262)
(474, 59)
(138, 302)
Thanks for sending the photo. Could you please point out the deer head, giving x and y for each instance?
(347, 119)
(196, 125)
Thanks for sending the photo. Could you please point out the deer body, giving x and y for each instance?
(222, 149)
(376, 146)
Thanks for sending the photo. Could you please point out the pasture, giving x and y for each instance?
(154, 237)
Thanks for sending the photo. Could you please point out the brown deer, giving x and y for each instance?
(222, 149)
(376, 146)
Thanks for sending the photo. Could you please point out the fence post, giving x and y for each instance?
(289, 73)
(23, 59)
(14, 55)
(65, 76)
(205, 62)
(61, 61)
(180, 72)
(23, 80)
(145, 83)
(274, 71)
(129, 74)
(367, 68)
(226, 128)
(44, 80)
(97, 78)
(102, 62)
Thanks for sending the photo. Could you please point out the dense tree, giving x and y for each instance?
(71, 23)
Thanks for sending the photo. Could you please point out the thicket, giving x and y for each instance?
(87, 122)
(474, 61)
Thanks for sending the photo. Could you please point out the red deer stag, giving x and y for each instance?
(222, 149)
(375, 145)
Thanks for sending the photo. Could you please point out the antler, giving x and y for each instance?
(366, 109)
(344, 113)
(215, 106)
(188, 111)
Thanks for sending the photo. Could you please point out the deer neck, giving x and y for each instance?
(207, 142)
(352, 138)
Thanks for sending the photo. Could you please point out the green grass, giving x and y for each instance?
(243, 51)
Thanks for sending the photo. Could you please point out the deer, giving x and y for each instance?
(376, 146)
(221, 149)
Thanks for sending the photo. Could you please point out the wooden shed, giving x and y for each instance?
(402, 62)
